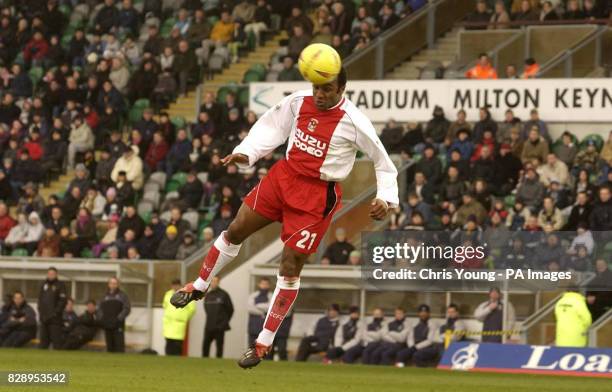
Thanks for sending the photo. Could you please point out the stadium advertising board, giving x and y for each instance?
(569, 100)
(518, 358)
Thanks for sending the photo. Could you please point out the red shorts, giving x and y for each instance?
(304, 205)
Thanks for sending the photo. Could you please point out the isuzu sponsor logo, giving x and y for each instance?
(309, 144)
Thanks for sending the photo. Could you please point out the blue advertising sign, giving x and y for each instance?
(518, 358)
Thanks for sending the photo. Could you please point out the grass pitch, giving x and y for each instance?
(91, 371)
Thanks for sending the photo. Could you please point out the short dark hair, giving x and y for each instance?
(342, 78)
(453, 306)
(52, 269)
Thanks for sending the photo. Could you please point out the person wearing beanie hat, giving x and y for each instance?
(187, 247)
(169, 245)
(348, 335)
(322, 335)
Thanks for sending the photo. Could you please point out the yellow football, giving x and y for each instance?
(319, 63)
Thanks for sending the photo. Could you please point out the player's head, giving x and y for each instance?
(327, 95)
(452, 311)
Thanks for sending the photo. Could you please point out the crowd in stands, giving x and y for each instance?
(503, 14)
(344, 25)
(84, 85)
(508, 184)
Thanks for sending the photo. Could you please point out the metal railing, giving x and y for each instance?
(392, 47)
(567, 57)
(603, 320)
(494, 53)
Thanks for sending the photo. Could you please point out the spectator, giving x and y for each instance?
(338, 252)
(257, 305)
(84, 330)
(573, 11)
(114, 309)
(526, 13)
(187, 247)
(588, 158)
(219, 310)
(601, 216)
(491, 314)
(454, 328)
(347, 336)
(394, 337)
(81, 140)
(387, 18)
(370, 338)
(20, 325)
(289, 72)
(457, 125)
(131, 221)
(184, 65)
(176, 321)
(437, 127)
(298, 41)
(500, 19)
(483, 69)
(298, 18)
(199, 29)
(51, 303)
(470, 208)
(599, 296)
(169, 245)
(192, 191)
(339, 20)
(534, 120)
(548, 14)
(221, 34)
(261, 21)
(322, 336)
(531, 69)
(507, 168)
(536, 147)
(566, 150)
(573, 320)
(69, 320)
(131, 164)
(420, 342)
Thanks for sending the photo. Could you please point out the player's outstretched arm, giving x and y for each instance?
(239, 159)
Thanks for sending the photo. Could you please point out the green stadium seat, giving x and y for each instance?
(166, 27)
(509, 201)
(260, 69)
(243, 96)
(252, 76)
(224, 90)
(599, 142)
(146, 217)
(19, 252)
(135, 114)
(87, 253)
(180, 177)
(172, 186)
(179, 122)
(36, 74)
(142, 103)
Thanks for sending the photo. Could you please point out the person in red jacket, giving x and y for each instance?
(34, 146)
(158, 149)
(36, 49)
(6, 222)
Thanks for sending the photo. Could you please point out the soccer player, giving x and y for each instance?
(325, 130)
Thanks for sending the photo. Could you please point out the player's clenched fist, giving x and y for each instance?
(235, 158)
(378, 209)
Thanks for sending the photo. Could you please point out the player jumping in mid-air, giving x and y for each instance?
(325, 130)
